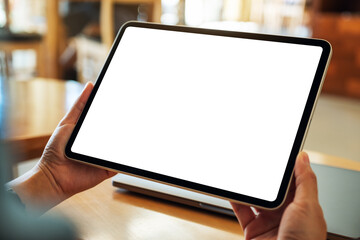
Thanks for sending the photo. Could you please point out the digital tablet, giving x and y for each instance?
(218, 112)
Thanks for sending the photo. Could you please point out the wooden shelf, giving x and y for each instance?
(342, 30)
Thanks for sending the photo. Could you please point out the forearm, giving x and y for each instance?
(36, 191)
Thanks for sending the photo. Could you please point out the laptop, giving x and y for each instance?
(339, 195)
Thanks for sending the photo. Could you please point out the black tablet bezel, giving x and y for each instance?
(315, 89)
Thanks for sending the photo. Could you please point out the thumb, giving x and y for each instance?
(72, 116)
(305, 179)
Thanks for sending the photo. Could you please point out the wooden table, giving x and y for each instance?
(105, 212)
(10, 42)
(32, 110)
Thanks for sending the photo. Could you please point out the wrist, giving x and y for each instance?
(37, 190)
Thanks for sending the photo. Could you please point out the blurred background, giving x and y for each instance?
(68, 40)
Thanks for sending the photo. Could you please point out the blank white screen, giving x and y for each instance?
(219, 111)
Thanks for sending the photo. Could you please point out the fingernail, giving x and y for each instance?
(305, 157)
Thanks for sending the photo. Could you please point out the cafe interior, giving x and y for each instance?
(49, 50)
